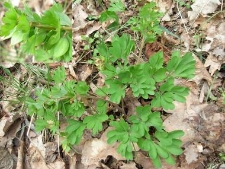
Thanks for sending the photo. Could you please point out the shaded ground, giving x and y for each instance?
(201, 30)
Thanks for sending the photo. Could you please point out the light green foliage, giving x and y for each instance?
(145, 79)
(147, 22)
(184, 3)
(153, 79)
(111, 14)
(47, 37)
(116, 6)
(58, 98)
(73, 133)
(95, 121)
(161, 144)
(80, 109)
(65, 101)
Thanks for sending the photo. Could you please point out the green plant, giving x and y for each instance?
(146, 80)
(222, 156)
(184, 3)
(111, 13)
(223, 94)
(72, 102)
(47, 37)
(147, 22)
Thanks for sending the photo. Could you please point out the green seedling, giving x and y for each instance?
(40, 36)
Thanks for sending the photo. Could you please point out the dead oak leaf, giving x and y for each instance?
(97, 149)
(213, 63)
(79, 16)
(191, 153)
(203, 7)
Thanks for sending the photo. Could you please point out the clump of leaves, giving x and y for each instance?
(161, 144)
(47, 37)
(66, 101)
(146, 80)
(75, 105)
(116, 6)
(147, 22)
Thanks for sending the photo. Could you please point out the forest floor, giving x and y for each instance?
(190, 26)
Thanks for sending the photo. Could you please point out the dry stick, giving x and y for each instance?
(221, 8)
(28, 130)
(66, 28)
(20, 159)
(185, 27)
(58, 136)
(139, 59)
(68, 5)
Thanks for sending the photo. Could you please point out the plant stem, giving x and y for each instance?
(114, 104)
(66, 28)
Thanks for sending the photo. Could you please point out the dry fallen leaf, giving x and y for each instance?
(214, 45)
(79, 15)
(201, 73)
(203, 7)
(144, 161)
(183, 115)
(191, 153)
(57, 165)
(85, 73)
(165, 6)
(36, 159)
(6, 122)
(6, 160)
(51, 152)
(130, 165)
(97, 149)
(213, 63)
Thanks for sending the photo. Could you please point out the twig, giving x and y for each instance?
(66, 28)
(114, 104)
(31, 120)
(221, 8)
(139, 59)
(58, 137)
(20, 162)
(185, 27)
(68, 6)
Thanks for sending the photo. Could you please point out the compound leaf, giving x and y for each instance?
(59, 75)
(74, 131)
(81, 88)
(181, 66)
(95, 122)
(116, 6)
(156, 60)
(121, 48)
